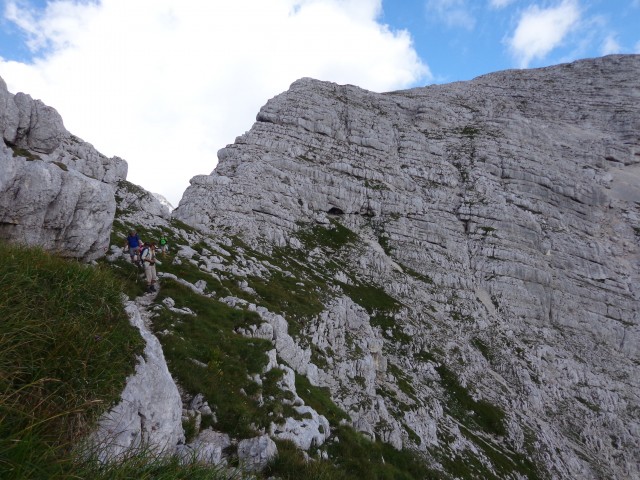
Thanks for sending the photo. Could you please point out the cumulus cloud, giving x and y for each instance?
(540, 30)
(454, 13)
(166, 84)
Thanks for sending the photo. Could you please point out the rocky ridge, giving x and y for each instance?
(479, 244)
(56, 190)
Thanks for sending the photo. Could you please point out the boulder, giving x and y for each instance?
(255, 453)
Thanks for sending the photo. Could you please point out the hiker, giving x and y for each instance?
(148, 257)
(134, 243)
(163, 244)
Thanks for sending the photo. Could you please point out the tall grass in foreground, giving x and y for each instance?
(145, 465)
(66, 347)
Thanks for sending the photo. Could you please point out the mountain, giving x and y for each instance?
(163, 201)
(432, 283)
(471, 251)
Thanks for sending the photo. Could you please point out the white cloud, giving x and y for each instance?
(500, 3)
(165, 84)
(540, 30)
(454, 13)
(610, 46)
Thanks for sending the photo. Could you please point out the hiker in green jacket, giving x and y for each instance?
(164, 246)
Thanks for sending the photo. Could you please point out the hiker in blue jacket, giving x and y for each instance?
(133, 242)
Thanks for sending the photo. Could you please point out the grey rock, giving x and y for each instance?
(208, 447)
(502, 216)
(56, 191)
(311, 431)
(140, 206)
(255, 453)
(60, 210)
(150, 410)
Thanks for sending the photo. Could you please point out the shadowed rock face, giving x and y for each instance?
(56, 191)
(502, 214)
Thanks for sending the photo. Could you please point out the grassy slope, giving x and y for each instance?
(211, 338)
(66, 347)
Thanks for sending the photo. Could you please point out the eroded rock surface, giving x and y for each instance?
(149, 414)
(56, 191)
(501, 217)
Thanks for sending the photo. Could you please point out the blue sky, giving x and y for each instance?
(166, 83)
(461, 39)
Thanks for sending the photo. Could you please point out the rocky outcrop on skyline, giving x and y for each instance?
(56, 191)
(478, 245)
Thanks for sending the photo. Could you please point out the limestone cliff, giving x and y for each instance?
(475, 251)
(56, 190)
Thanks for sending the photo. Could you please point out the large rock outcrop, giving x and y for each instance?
(149, 414)
(56, 191)
(500, 219)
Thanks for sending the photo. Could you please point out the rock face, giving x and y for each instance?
(497, 221)
(149, 414)
(56, 191)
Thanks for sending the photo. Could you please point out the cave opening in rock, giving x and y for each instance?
(335, 211)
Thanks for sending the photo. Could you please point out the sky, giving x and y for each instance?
(165, 84)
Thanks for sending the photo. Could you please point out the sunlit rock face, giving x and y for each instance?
(501, 216)
(56, 190)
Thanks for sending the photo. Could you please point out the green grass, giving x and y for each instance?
(210, 337)
(390, 328)
(319, 399)
(23, 152)
(484, 349)
(462, 405)
(361, 458)
(66, 347)
(61, 166)
(371, 297)
(290, 464)
(334, 237)
(470, 131)
(353, 457)
(145, 465)
(293, 297)
(403, 381)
